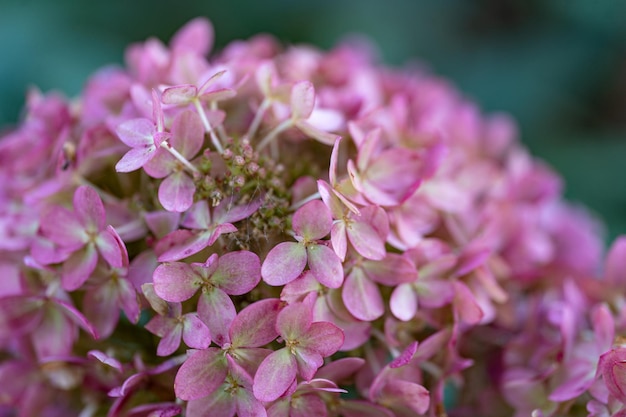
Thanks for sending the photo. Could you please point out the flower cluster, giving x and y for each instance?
(288, 232)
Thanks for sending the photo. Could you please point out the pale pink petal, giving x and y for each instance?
(195, 333)
(325, 265)
(366, 240)
(175, 282)
(78, 267)
(615, 264)
(184, 243)
(161, 222)
(302, 100)
(322, 337)
(274, 376)
(339, 239)
(196, 36)
(76, 316)
(316, 133)
(403, 302)
(201, 374)
(169, 330)
(127, 299)
(137, 133)
(101, 309)
(135, 159)
(435, 293)
(255, 325)
(176, 192)
(218, 403)
(217, 311)
(161, 164)
(218, 95)
(237, 272)
(466, 305)
(227, 212)
(362, 296)
(187, 133)
(112, 248)
(89, 209)
(179, 94)
(198, 216)
(330, 199)
(61, 226)
(313, 220)
(284, 263)
(394, 269)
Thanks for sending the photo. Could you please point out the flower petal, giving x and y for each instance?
(275, 375)
(176, 192)
(179, 94)
(217, 311)
(237, 272)
(313, 220)
(362, 296)
(78, 267)
(195, 333)
(135, 159)
(201, 374)
(89, 209)
(137, 133)
(61, 226)
(403, 302)
(302, 100)
(325, 265)
(255, 325)
(112, 248)
(284, 263)
(175, 281)
(322, 337)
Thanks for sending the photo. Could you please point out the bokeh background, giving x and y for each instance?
(557, 66)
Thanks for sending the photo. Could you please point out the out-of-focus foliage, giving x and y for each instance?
(558, 66)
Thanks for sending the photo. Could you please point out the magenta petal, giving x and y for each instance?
(284, 263)
(195, 333)
(89, 209)
(322, 337)
(201, 374)
(170, 332)
(175, 281)
(313, 220)
(403, 302)
(78, 267)
(255, 325)
(237, 272)
(362, 297)
(325, 265)
(176, 192)
(217, 311)
(112, 248)
(274, 376)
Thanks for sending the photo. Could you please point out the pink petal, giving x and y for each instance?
(217, 311)
(195, 333)
(339, 239)
(435, 293)
(394, 269)
(89, 209)
(294, 320)
(615, 264)
(322, 337)
(466, 305)
(198, 216)
(227, 212)
(169, 330)
(316, 133)
(218, 403)
(196, 36)
(100, 307)
(201, 374)
(176, 192)
(313, 220)
(187, 133)
(175, 282)
(135, 159)
(325, 265)
(302, 100)
(161, 164)
(405, 357)
(61, 226)
(255, 325)
(137, 133)
(366, 240)
(308, 362)
(78, 267)
(362, 297)
(218, 95)
(237, 272)
(179, 94)
(330, 199)
(284, 263)
(127, 299)
(184, 243)
(112, 248)
(407, 394)
(76, 316)
(403, 302)
(274, 376)
(162, 222)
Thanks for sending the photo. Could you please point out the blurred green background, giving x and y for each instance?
(557, 66)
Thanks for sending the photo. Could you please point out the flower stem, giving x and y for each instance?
(207, 126)
(178, 156)
(305, 200)
(270, 136)
(257, 118)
